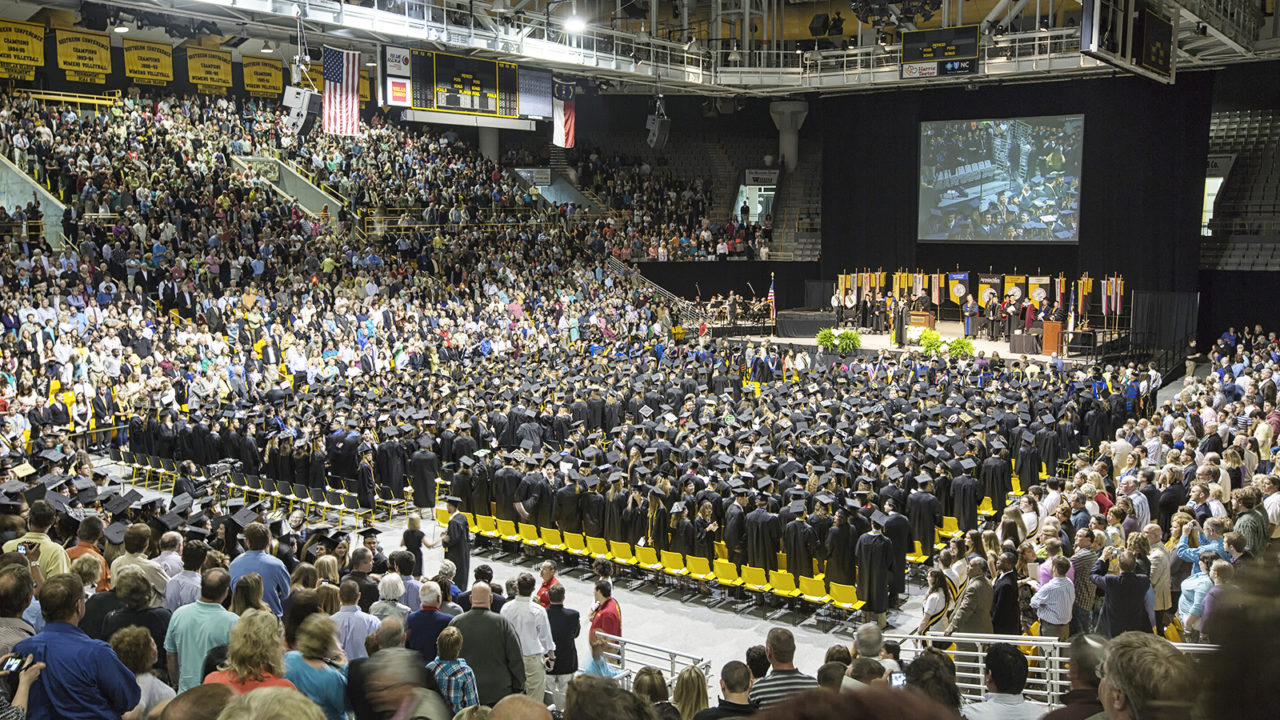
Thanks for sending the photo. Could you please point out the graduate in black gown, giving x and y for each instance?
(763, 535)
(841, 548)
(457, 538)
(735, 525)
(366, 491)
(683, 534)
(925, 513)
(898, 529)
(800, 542)
(1028, 466)
(997, 480)
(966, 495)
(875, 567)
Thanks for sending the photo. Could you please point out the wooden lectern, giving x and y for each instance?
(922, 319)
(1052, 340)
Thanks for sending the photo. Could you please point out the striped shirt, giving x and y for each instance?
(1082, 562)
(778, 685)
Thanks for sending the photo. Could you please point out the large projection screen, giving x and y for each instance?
(1012, 180)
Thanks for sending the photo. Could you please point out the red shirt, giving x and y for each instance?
(607, 619)
(544, 596)
(222, 677)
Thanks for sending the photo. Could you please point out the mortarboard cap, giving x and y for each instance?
(115, 532)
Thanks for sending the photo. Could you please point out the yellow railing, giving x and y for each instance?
(108, 98)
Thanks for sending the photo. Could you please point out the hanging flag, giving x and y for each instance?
(1117, 289)
(1071, 313)
(341, 114)
(989, 289)
(958, 286)
(773, 307)
(564, 114)
(937, 281)
(1038, 289)
(1106, 295)
(1015, 285)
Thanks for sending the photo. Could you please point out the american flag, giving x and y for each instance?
(773, 308)
(341, 91)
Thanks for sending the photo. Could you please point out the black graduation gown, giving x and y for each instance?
(635, 520)
(735, 532)
(366, 495)
(615, 517)
(659, 527)
(898, 529)
(316, 470)
(457, 544)
(997, 482)
(683, 538)
(925, 514)
(704, 540)
(1028, 466)
(506, 485)
(762, 539)
(966, 496)
(481, 491)
(800, 543)
(163, 440)
(842, 558)
(592, 507)
(424, 468)
(461, 489)
(568, 514)
(875, 555)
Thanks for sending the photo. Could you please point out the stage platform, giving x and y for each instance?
(949, 330)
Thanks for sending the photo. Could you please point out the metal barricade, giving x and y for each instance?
(629, 656)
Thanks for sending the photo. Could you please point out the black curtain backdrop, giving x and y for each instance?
(684, 279)
(1235, 299)
(1143, 179)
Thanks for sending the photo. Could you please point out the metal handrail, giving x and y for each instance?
(631, 655)
(687, 309)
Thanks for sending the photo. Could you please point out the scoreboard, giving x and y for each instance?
(454, 83)
(952, 43)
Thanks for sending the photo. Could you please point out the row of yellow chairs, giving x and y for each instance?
(666, 563)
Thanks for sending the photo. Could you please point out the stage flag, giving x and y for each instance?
(1071, 311)
(1106, 295)
(341, 114)
(937, 282)
(1117, 292)
(1015, 285)
(773, 306)
(958, 286)
(989, 287)
(564, 114)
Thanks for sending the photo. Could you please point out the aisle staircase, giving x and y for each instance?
(690, 314)
(797, 209)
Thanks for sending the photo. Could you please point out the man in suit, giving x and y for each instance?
(565, 626)
(1124, 607)
(1005, 610)
(972, 613)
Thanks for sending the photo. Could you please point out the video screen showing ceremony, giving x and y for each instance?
(425, 360)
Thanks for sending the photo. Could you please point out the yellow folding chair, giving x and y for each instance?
(845, 597)
(699, 568)
(576, 544)
(552, 540)
(507, 531)
(529, 535)
(783, 584)
(812, 590)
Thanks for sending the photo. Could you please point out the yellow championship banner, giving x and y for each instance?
(21, 43)
(364, 86)
(263, 76)
(86, 56)
(209, 68)
(13, 71)
(1015, 285)
(148, 63)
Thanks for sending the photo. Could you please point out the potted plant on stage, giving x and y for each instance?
(826, 339)
(930, 342)
(848, 341)
(960, 348)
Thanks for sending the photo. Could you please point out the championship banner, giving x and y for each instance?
(989, 289)
(148, 63)
(365, 94)
(315, 71)
(86, 56)
(14, 71)
(1015, 285)
(263, 76)
(958, 286)
(209, 68)
(1038, 289)
(21, 43)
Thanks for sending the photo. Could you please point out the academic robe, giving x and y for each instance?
(800, 543)
(568, 512)
(1028, 466)
(925, 514)
(997, 482)
(898, 529)
(423, 470)
(683, 537)
(966, 495)
(735, 532)
(506, 485)
(591, 507)
(461, 489)
(704, 540)
(366, 493)
(457, 544)
(842, 556)
(875, 555)
(762, 539)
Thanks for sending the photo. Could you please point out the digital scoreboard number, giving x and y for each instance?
(476, 86)
(953, 43)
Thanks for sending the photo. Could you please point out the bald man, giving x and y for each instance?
(519, 707)
(491, 647)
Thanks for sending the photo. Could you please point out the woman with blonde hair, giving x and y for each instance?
(327, 599)
(272, 703)
(1011, 527)
(327, 569)
(690, 694)
(316, 666)
(247, 595)
(650, 685)
(255, 654)
(303, 577)
(1233, 464)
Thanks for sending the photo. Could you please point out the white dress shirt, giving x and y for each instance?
(531, 624)
(1000, 706)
